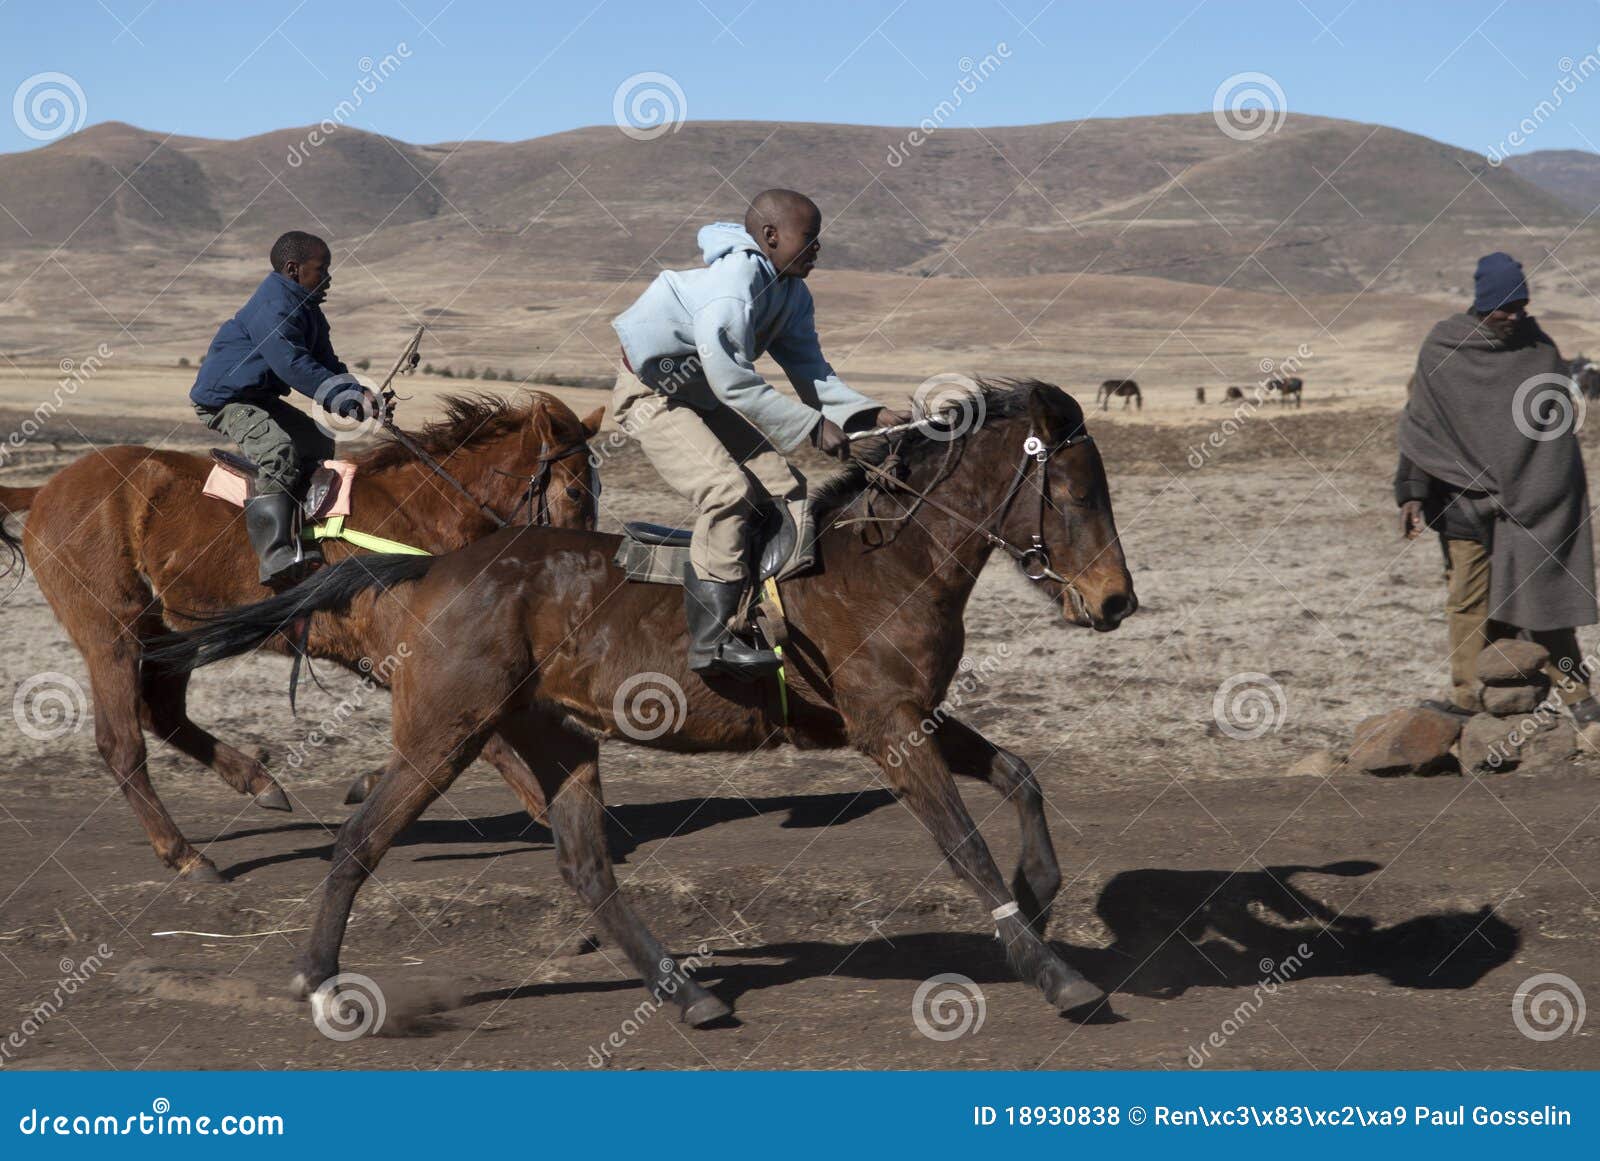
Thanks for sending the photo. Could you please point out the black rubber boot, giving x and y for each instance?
(713, 646)
(270, 521)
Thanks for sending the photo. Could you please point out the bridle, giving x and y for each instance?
(1034, 560)
(535, 497)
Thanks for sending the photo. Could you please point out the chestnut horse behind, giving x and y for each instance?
(123, 544)
(536, 635)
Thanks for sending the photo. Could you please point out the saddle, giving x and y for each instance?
(233, 479)
(656, 553)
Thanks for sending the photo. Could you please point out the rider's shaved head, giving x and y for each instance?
(777, 207)
(785, 224)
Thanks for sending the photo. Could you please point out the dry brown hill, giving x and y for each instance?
(1320, 205)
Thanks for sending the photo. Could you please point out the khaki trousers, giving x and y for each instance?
(718, 462)
(1466, 574)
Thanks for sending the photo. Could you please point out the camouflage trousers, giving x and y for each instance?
(284, 443)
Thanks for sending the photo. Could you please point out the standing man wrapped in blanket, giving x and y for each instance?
(1489, 459)
(710, 422)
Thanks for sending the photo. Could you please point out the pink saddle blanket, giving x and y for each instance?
(226, 484)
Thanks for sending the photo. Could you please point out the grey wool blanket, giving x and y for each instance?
(1493, 415)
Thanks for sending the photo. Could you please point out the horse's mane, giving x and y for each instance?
(469, 421)
(1001, 398)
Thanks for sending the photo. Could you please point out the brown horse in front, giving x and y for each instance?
(124, 544)
(535, 635)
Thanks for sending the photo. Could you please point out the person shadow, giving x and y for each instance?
(1171, 931)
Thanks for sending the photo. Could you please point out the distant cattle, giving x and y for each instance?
(1125, 389)
(1199, 394)
(1285, 389)
(1232, 393)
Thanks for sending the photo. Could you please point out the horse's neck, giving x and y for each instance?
(432, 503)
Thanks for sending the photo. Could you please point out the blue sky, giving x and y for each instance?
(1464, 72)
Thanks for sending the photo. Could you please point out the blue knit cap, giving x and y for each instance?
(1498, 281)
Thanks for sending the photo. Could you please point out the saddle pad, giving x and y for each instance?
(226, 484)
(660, 564)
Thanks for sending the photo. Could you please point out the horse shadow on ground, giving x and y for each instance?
(1176, 930)
(628, 827)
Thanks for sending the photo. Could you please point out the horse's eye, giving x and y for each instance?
(574, 492)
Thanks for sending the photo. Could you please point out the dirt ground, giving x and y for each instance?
(1242, 917)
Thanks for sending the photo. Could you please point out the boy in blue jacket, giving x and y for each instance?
(279, 341)
(710, 422)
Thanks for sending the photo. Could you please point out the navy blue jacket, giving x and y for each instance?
(277, 341)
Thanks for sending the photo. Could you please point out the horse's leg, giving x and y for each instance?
(118, 735)
(428, 757)
(1038, 875)
(567, 766)
(924, 783)
(499, 754)
(166, 715)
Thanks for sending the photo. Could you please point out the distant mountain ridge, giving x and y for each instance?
(1319, 205)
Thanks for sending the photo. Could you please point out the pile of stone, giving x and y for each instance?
(1510, 728)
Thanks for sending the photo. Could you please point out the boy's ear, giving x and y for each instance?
(592, 421)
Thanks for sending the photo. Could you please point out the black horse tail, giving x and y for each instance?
(13, 501)
(235, 631)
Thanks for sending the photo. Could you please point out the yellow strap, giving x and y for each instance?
(333, 529)
(770, 591)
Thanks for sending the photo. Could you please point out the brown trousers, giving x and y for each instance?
(718, 462)
(1466, 574)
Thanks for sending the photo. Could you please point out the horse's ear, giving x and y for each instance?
(1052, 409)
(592, 421)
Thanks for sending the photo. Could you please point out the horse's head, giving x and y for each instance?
(1074, 521)
(559, 484)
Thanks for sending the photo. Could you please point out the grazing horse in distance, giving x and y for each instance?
(1232, 394)
(124, 545)
(1285, 388)
(1125, 389)
(538, 636)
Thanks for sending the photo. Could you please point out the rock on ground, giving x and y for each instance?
(1512, 662)
(1405, 741)
(1489, 744)
(1510, 700)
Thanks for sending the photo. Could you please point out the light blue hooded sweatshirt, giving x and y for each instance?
(729, 314)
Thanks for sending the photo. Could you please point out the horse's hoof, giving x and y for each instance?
(706, 1011)
(274, 799)
(200, 871)
(1077, 994)
(357, 794)
(300, 986)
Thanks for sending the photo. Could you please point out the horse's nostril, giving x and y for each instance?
(1116, 607)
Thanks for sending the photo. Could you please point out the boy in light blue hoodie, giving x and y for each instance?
(712, 425)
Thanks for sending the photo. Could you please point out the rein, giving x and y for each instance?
(1034, 559)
